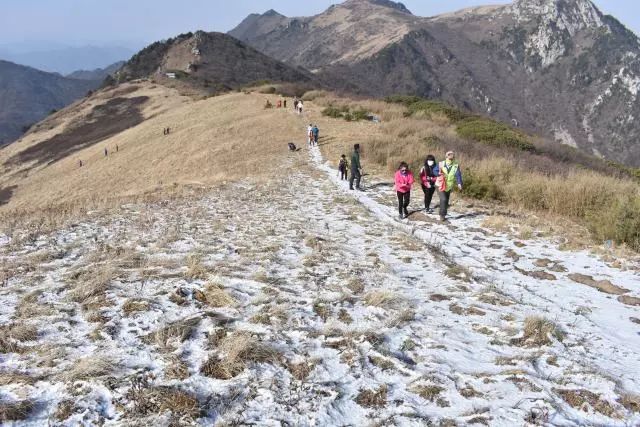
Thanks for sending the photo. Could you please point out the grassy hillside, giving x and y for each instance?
(211, 141)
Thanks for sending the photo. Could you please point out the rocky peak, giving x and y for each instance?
(272, 12)
(385, 3)
(569, 15)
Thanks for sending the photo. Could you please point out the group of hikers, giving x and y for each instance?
(442, 177)
(313, 133)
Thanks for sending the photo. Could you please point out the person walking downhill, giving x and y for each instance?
(403, 182)
(356, 168)
(449, 174)
(316, 133)
(343, 166)
(428, 176)
(310, 134)
(300, 107)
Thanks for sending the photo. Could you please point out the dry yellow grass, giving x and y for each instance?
(212, 141)
(237, 350)
(88, 368)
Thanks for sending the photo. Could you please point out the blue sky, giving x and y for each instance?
(137, 22)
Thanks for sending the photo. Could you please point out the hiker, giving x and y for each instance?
(342, 167)
(428, 175)
(80, 163)
(310, 134)
(300, 107)
(284, 104)
(279, 105)
(295, 105)
(106, 153)
(168, 131)
(117, 148)
(403, 182)
(316, 133)
(356, 168)
(449, 173)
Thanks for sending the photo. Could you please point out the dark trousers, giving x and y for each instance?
(403, 202)
(428, 195)
(355, 176)
(343, 174)
(444, 202)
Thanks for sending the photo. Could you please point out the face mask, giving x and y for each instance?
(430, 162)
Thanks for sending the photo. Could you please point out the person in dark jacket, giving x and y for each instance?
(356, 168)
(428, 175)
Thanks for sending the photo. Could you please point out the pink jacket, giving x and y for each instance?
(403, 182)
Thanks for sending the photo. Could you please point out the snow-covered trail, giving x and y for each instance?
(356, 318)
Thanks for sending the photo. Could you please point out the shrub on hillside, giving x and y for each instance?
(620, 221)
(345, 113)
(495, 133)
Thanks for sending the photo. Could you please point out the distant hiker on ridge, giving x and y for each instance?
(428, 176)
(403, 182)
(356, 168)
(284, 103)
(449, 174)
(316, 133)
(106, 153)
(300, 107)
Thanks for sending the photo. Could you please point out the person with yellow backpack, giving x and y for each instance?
(450, 174)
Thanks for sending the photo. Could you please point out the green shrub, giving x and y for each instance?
(494, 133)
(481, 186)
(344, 113)
(620, 221)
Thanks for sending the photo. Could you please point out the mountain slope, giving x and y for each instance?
(348, 32)
(211, 61)
(555, 67)
(28, 95)
(98, 74)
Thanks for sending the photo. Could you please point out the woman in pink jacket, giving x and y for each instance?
(404, 181)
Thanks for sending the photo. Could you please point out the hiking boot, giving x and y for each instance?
(406, 214)
(400, 217)
(443, 219)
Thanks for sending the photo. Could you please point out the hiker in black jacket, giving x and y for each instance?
(428, 176)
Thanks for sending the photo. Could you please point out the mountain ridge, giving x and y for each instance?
(560, 68)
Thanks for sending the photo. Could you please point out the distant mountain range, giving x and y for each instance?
(28, 95)
(559, 68)
(99, 74)
(65, 59)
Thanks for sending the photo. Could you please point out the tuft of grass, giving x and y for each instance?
(215, 296)
(538, 331)
(583, 399)
(92, 285)
(181, 331)
(64, 410)
(373, 398)
(355, 285)
(134, 306)
(383, 298)
(196, 270)
(88, 368)
(15, 411)
(427, 392)
(237, 351)
(175, 368)
(158, 400)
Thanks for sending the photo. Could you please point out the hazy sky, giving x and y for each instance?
(136, 22)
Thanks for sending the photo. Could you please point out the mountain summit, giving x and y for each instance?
(560, 68)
